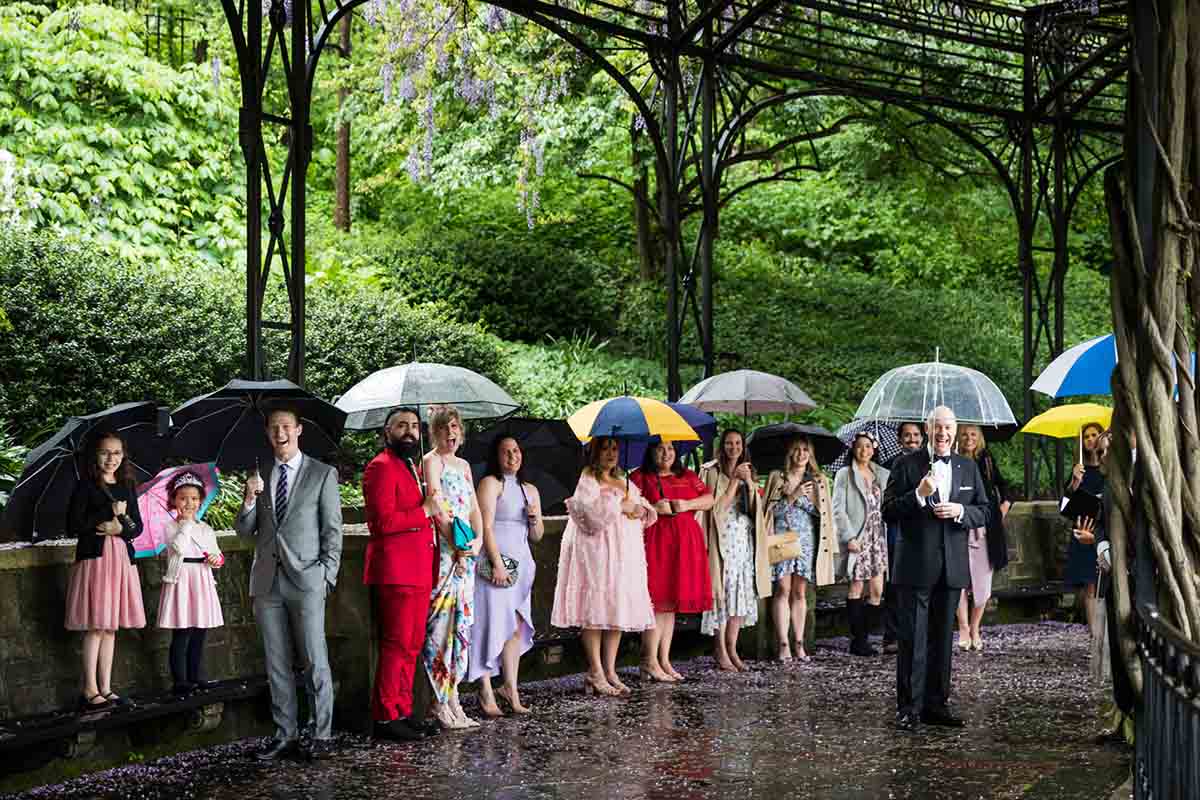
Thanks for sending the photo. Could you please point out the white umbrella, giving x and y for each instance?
(911, 392)
(421, 385)
(746, 392)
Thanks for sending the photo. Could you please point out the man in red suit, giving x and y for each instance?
(401, 554)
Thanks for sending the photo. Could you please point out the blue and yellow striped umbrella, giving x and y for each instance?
(630, 418)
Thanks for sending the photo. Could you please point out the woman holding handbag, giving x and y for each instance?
(797, 501)
(503, 631)
(451, 608)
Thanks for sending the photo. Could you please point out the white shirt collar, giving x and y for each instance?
(292, 463)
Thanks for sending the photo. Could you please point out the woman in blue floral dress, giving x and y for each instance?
(451, 608)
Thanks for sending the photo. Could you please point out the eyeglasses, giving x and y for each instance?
(107, 453)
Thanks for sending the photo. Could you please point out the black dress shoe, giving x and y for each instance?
(942, 718)
(863, 649)
(183, 689)
(319, 749)
(278, 748)
(891, 648)
(397, 730)
(909, 723)
(204, 686)
(425, 728)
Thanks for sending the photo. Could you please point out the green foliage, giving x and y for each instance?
(121, 149)
(90, 330)
(557, 379)
(520, 290)
(12, 460)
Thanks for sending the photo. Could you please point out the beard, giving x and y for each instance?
(405, 448)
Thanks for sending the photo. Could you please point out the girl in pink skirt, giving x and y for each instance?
(103, 591)
(189, 602)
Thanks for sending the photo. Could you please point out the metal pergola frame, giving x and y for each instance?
(1036, 92)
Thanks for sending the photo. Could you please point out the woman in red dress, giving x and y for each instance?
(676, 553)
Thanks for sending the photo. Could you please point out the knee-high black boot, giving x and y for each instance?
(859, 646)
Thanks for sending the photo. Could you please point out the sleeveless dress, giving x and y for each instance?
(602, 562)
(741, 594)
(1081, 558)
(501, 611)
(451, 607)
(676, 554)
(872, 558)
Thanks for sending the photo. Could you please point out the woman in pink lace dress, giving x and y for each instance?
(602, 586)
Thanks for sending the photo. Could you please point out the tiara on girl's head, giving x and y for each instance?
(185, 479)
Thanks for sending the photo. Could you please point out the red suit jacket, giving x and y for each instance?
(402, 547)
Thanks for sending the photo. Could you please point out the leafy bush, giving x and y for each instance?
(557, 379)
(12, 459)
(519, 289)
(90, 330)
(119, 148)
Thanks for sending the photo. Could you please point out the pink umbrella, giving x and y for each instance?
(155, 511)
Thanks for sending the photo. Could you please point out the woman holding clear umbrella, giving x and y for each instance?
(797, 500)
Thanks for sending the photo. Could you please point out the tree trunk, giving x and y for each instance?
(648, 260)
(341, 176)
(1155, 302)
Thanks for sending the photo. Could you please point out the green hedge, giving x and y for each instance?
(519, 288)
(89, 330)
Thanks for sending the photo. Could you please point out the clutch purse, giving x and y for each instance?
(783, 546)
(484, 569)
(463, 534)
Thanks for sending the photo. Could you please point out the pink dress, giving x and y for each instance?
(104, 594)
(191, 600)
(602, 579)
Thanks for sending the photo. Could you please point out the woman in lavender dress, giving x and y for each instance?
(503, 630)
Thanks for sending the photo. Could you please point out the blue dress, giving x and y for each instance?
(797, 516)
(1081, 558)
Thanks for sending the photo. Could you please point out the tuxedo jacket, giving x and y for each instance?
(307, 543)
(926, 545)
(402, 549)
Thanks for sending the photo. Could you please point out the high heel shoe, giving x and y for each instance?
(616, 684)
(977, 642)
(964, 642)
(645, 674)
(461, 716)
(517, 708)
(446, 717)
(599, 686)
(785, 651)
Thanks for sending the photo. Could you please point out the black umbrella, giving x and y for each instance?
(37, 506)
(551, 452)
(769, 444)
(887, 441)
(229, 426)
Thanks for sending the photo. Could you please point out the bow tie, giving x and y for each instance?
(943, 459)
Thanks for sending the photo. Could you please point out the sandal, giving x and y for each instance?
(117, 700)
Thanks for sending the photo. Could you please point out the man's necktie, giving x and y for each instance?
(281, 495)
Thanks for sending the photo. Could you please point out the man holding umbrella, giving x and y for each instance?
(400, 561)
(936, 497)
(297, 527)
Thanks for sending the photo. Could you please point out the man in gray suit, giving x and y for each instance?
(294, 512)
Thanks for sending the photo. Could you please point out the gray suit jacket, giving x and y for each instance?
(850, 509)
(307, 545)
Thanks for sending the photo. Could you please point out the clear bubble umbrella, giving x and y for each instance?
(423, 385)
(911, 392)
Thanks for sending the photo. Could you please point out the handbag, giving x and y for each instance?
(484, 569)
(463, 534)
(783, 546)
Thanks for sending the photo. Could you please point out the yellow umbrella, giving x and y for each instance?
(1068, 421)
(630, 418)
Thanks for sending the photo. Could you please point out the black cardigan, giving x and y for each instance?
(90, 507)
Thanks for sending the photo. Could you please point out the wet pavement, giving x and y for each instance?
(814, 730)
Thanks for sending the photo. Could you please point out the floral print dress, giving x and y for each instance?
(451, 608)
(871, 559)
(796, 516)
(741, 595)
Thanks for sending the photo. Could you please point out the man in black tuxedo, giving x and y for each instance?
(936, 497)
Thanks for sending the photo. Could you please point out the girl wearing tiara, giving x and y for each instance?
(189, 602)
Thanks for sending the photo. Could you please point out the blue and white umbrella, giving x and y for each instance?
(1084, 369)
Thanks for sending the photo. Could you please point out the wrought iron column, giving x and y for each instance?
(709, 191)
(669, 199)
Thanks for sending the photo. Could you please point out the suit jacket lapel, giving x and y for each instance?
(956, 463)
